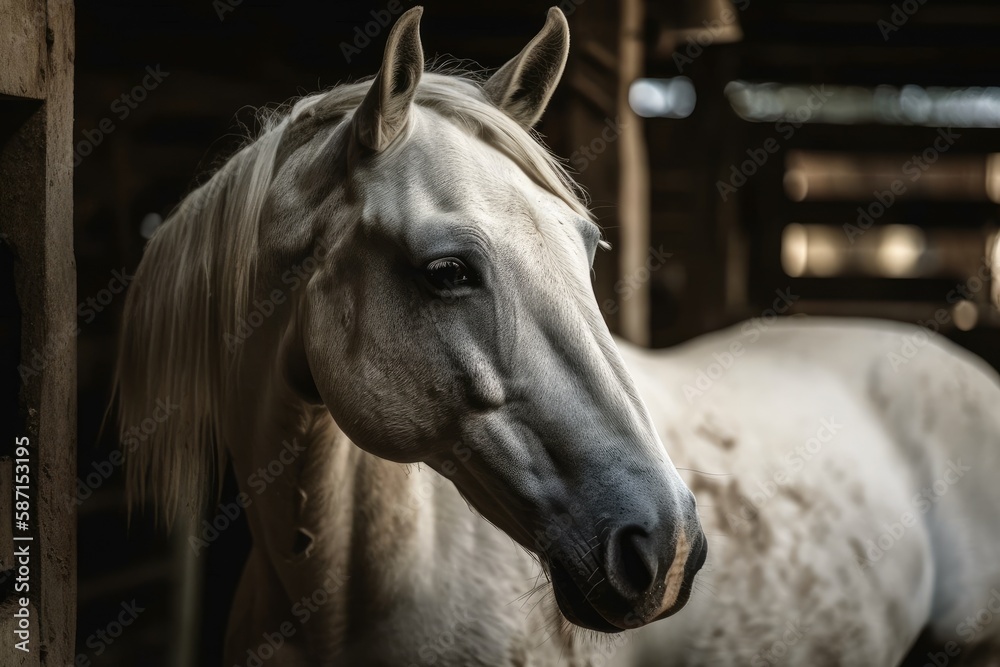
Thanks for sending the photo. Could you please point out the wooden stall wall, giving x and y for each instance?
(38, 322)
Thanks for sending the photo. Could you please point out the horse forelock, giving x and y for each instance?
(457, 96)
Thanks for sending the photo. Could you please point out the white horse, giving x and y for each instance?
(381, 311)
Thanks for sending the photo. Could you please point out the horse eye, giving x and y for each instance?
(449, 273)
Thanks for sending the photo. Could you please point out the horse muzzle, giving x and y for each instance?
(643, 577)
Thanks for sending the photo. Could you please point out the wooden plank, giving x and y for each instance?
(22, 49)
(8, 624)
(633, 198)
(57, 419)
(36, 218)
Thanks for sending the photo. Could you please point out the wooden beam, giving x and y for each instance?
(36, 222)
(633, 200)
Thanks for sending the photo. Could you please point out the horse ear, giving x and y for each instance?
(383, 113)
(524, 85)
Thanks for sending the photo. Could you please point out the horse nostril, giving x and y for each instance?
(632, 561)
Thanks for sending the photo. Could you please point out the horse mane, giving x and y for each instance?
(174, 372)
(192, 283)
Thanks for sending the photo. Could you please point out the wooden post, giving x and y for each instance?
(38, 326)
(633, 200)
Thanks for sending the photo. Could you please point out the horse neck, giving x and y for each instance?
(323, 512)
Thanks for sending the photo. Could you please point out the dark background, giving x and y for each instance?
(726, 255)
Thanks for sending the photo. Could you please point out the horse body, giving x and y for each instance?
(380, 311)
(850, 508)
